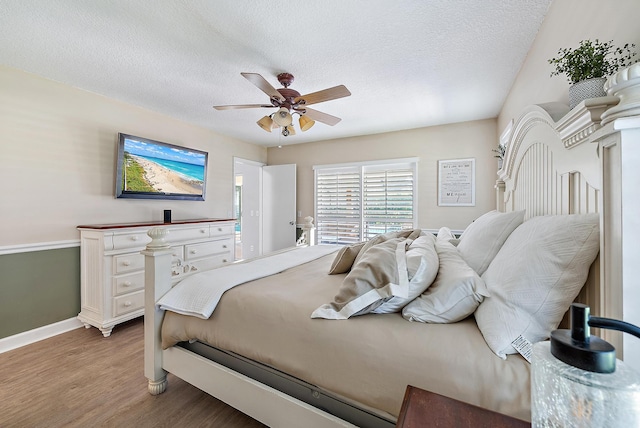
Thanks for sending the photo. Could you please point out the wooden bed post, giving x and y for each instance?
(157, 281)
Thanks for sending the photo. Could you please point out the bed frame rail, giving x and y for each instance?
(261, 402)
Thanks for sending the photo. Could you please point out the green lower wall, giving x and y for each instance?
(38, 288)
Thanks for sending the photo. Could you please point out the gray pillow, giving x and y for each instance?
(378, 239)
(388, 276)
(344, 259)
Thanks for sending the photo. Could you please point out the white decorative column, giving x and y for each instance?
(619, 148)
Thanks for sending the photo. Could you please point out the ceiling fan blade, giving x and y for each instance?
(324, 95)
(263, 85)
(321, 117)
(242, 106)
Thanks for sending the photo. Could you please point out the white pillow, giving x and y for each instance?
(482, 239)
(384, 279)
(446, 234)
(453, 296)
(534, 278)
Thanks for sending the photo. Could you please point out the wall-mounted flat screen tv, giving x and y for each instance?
(149, 169)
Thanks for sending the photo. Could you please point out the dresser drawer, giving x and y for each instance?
(196, 251)
(177, 252)
(188, 234)
(210, 262)
(128, 303)
(221, 229)
(128, 263)
(128, 283)
(131, 240)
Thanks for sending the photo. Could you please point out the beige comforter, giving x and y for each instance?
(370, 359)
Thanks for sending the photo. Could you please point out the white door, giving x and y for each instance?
(279, 207)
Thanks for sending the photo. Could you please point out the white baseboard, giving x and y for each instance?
(37, 334)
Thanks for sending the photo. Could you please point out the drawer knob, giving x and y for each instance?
(134, 238)
(224, 245)
(127, 303)
(224, 260)
(126, 263)
(203, 231)
(219, 229)
(193, 251)
(127, 283)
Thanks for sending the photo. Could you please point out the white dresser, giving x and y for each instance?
(112, 268)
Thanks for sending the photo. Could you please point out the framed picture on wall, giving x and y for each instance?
(457, 182)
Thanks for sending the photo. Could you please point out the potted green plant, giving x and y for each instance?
(588, 66)
(499, 153)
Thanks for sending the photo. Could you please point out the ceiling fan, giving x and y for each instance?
(288, 102)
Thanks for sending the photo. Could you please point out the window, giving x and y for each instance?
(355, 202)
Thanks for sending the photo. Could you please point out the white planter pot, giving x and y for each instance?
(585, 89)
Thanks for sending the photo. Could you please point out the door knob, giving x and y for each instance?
(291, 223)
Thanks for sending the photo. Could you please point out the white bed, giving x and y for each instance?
(557, 162)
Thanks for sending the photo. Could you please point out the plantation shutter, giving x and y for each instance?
(387, 200)
(338, 205)
(356, 202)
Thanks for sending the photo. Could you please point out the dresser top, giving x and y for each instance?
(152, 223)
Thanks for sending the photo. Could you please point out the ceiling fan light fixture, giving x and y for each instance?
(266, 123)
(288, 101)
(282, 117)
(306, 123)
(288, 130)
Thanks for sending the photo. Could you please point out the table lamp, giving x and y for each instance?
(577, 381)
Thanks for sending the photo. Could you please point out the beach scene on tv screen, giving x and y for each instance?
(158, 168)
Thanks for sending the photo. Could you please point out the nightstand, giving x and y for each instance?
(422, 408)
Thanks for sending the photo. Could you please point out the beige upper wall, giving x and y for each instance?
(462, 140)
(57, 167)
(566, 24)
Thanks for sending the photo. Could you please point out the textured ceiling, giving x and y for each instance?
(408, 64)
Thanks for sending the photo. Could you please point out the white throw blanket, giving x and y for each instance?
(199, 294)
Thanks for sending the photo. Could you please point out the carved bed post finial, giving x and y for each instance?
(157, 235)
(308, 236)
(625, 84)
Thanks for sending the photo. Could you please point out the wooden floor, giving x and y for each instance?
(82, 379)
